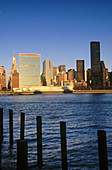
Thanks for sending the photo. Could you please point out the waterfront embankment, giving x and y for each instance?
(54, 92)
(92, 91)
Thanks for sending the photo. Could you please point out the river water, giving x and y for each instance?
(84, 114)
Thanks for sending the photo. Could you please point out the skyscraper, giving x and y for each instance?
(14, 64)
(71, 74)
(103, 74)
(95, 64)
(62, 76)
(62, 68)
(80, 70)
(55, 71)
(89, 77)
(85, 75)
(29, 70)
(2, 77)
(13, 79)
(106, 76)
(48, 71)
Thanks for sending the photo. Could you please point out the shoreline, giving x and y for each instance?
(56, 92)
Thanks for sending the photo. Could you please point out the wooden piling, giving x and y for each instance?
(1, 124)
(22, 155)
(22, 126)
(102, 149)
(0, 154)
(11, 127)
(39, 141)
(63, 145)
(1, 133)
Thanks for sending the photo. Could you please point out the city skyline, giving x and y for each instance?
(29, 75)
(54, 65)
(60, 31)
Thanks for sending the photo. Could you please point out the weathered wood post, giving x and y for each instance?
(22, 126)
(11, 126)
(1, 124)
(63, 145)
(0, 153)
(22, 155)
(1, 133)
(102, 149)
(39, 141)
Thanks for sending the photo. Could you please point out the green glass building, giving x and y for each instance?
(29, 70)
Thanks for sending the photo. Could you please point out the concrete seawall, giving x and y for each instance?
(55, 92)
(92, 91)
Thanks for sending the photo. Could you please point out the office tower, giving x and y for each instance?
(89, 81)
(48, 71)
(62, 68)
(110, 77)
(55, 74)
(55, 71)
(103, 75)
(14, 64)
(2, 78)
(106, 73)
(62, 76)
(85, 75)
(71, 74)
(95, 64)
(13, 79)
(80, 70)
(29, 70)
(106, 76)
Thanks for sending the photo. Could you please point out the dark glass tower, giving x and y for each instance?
(95, 65)
(80, 70)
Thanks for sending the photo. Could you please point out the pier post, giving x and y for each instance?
(1, 133)
(22, 155)
(102, 149)
(22, 126)
(63, 145)
(11, 126)
(1, 124)
(39, 141)
(0, 153)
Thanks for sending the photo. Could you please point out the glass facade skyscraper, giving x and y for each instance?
(95, 64)
(29, 70)
(80, 70)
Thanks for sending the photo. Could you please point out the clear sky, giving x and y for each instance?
(59, 30)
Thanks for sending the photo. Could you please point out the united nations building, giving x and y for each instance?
(29, 70)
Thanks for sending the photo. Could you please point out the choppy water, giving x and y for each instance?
(84, 115)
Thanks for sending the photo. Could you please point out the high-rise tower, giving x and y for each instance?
(95, 64)
(29, 70)
(14, 64)
(13, 80)
(48, 71)
(2, 78)
(80, 70)
(71, 74)
(62, 68)
(103, 74)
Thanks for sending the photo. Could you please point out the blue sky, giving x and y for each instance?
(59, 30)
